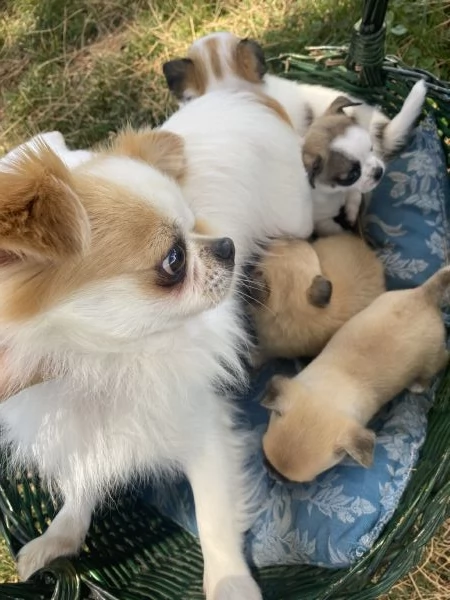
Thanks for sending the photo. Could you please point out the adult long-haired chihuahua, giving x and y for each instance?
(131, 318)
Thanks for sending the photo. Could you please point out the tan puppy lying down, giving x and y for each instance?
(319, 416)
(306, 292)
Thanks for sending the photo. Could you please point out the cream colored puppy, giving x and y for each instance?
(305, 292)
(320, 416)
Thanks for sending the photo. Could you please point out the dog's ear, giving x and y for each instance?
(41, 216)
(256, 286)
(177, 73)
(320, 291)
(314, 164)
(359, 443)
(338, 105)
(273, 397)
(250, 60)
(161, 149)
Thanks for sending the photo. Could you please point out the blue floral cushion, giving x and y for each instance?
(332, 521)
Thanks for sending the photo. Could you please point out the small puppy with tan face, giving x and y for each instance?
(303, 293)
(320, 416)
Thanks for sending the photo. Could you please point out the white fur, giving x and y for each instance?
(135, 388)
(301, 101)
(55, 140)
(245, 174)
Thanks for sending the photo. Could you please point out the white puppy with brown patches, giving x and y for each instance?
(109, 293)
(223, 61)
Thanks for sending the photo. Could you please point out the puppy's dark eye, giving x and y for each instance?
(353, 174)
(173, 267)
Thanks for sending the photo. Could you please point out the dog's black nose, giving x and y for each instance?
(378, 173)
(223, 249)
(273, 472)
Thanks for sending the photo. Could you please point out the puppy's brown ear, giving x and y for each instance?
(314, 164)
(359, 443)
(320, 291)
(161, 149)
(250, 61)
(41, 216)
(178, 72)
(256, 286)
(272, 399)
(338, 105)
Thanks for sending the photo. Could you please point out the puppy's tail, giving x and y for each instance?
(393, 135)
(437, 286)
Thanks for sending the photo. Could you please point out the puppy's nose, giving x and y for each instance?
(378, 173)
(223, 249)
(273, 472)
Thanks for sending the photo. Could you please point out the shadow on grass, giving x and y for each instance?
(85, 67)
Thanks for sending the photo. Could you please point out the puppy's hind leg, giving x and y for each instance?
(213, 471)
(64, 537)
(432, 368)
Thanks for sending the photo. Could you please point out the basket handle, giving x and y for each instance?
(367, 45)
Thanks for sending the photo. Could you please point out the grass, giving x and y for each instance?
(87, 66)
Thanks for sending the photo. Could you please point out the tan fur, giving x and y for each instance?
(397, 342)
(272, 104)
(319, 137)
(39, 213)
(246, 65)
(45, 210)
(288, 324)
(214, 57)
(162, 149)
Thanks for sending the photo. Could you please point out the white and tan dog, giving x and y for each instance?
(108, 292)
(224, 61)
(320, 416)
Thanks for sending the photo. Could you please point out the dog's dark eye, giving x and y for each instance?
(173, 267)
(352, 176)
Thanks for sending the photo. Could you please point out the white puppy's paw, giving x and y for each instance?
(352, 206)
(240, 587)
(40, 552)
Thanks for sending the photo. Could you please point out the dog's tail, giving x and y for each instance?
(394, 135)
(437, 286)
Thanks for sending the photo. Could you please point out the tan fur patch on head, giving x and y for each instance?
(129, 237)
(213, 49)
(40, 213)
(275, 106)
(250, 62)
(161, 149)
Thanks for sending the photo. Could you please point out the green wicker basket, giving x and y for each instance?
(132, 553)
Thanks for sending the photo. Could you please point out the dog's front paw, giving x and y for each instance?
(240, 587)
(40, 552)
(352, 206)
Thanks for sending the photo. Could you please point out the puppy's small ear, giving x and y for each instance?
(314, 164)
(250, 61)
(41, 216)
(272, 399)
(359, 443)
(256, 286)
(338, 105)
(161, 149)
(177, 73)
(320, 291)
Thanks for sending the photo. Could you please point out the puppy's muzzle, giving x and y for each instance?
(223, 249)
(273, 472)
